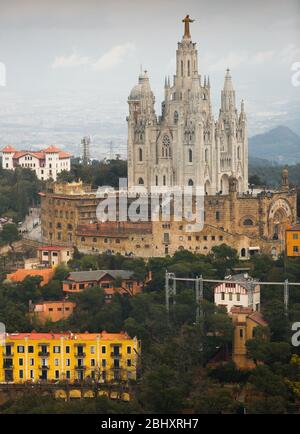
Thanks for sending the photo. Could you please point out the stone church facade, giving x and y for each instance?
(186, 145)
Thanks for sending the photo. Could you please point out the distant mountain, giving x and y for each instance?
(260, 162)
(279, 145)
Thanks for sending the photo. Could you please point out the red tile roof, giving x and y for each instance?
(52, 248)
(8, 148)
(38, 154)
(51, 149)
(68, 335)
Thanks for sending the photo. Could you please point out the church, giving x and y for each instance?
(186, 145)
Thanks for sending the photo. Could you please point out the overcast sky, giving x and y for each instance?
(72, 63)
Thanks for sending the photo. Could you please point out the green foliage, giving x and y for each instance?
(18, 191)
(9, 234)
(99, 173)
(34, 403)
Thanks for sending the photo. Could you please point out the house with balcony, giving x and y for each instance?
(111, 281)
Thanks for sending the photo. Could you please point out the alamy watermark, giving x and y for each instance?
(157, 203)
(295, 80)
(296, 335)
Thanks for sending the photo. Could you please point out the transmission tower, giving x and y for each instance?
(86, 156)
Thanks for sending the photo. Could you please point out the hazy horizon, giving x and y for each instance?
(71, 64)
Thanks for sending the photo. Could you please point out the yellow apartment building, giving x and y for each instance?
(292, 241)
(41, 357)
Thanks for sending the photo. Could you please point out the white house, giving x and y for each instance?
(47, 163)
(239, 290)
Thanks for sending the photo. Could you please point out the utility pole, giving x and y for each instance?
(286, 297)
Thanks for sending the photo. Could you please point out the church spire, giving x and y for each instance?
(228, 94)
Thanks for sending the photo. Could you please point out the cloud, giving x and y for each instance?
(71, 61)
(235, 59)
(270, 114)
(113, 57)
(107, 61)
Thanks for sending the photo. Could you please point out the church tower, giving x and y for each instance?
(185, 145)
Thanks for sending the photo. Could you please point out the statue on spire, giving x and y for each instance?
(187, 20)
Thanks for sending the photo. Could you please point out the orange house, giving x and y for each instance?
(18, 276)
(112, 281)
(52, 310)
(292, 241)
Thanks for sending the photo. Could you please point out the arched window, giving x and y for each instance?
(206, 156)
(141, 181)
(189, 68)
(164, 180)
(248, 222)
(166, 148)
(156, 180)
(140, 154)
(239, 152)
(243, 253)
(175, 117)
(181, 68)
(190, 182)
(190, 156)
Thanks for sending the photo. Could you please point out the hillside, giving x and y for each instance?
(279, 145)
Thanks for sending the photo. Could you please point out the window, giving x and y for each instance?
(103, 350)
(68, 375)
(141, 181)
(222, 295)
(238, 297)
(56, 349)
(140, 154)
(30, 349)
(241, 333)
(21, 362)
(32, 374)
(190, 182)
(206, 155)
(128, 362)
(128, 350)
(67, 349)
(295, 249)
(92, 350)
(230, 296)
(175, 117)
(218, 215)
(21, 373)
(103, 363)
(190, 156)
(295, 236)
(93, 362)
(31, 362)
(56, 362)
(189, 68)
(248, 222)
(20, 349)
(68, 362)
(57, 374)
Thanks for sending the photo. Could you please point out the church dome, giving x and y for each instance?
(136, 92)
(142, 88)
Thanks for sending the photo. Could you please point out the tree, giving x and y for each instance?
(9, 233)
